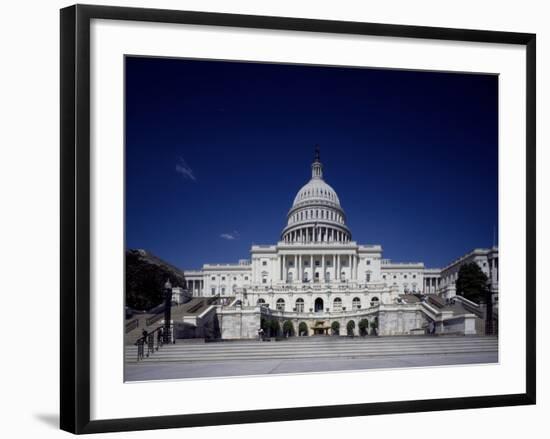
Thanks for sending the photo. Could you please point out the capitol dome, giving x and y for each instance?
(316, 190)
(316, 215)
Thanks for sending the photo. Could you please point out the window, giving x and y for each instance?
(383, 276)
(414, 276)
(327, 276)
(223, 290)
(246, 278)
(223, 277)
(356, 304)
(317, 263)
(337, 305)
(299, 305)
(213, 277)
(264, 262)
(394, 276)
(405, 276)
(234, 278)
(280, 305)
(260, 302)
(374, 301)
(306, 263)
(368, 261)
(316, 275)
(213, 291)
(329, 264)
(290, 263)
(368, 277)
(264, 280)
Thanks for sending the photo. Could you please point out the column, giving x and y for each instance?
(312, 268)
(337, 267)
(299, 269)
(323, 268)
(279, 262)
(284, 268)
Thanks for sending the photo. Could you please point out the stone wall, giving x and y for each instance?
(237, 323)
(465, 324)
(400, 321)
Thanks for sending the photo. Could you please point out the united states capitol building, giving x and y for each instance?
(317, 274)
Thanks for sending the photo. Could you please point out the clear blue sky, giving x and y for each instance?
(216, 150)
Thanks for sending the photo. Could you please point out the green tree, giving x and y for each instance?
(335, 328)
(275, 328)
(471, 282)
(302, 329)
(363, 326)
(350, 327)
(288, 328)
(264, 324)
(374, 326)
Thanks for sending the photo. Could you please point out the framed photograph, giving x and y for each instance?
(273, 218)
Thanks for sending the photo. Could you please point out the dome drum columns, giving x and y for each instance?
(316, 234)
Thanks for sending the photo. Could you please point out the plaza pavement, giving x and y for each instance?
(306, 355)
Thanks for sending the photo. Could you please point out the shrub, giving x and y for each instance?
(275, 328)
(350, 327)
(335, 328)
(288, 328)
(374, 326)
(363, 326)
(302, 329)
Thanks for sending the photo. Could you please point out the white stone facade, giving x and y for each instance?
(316, 267)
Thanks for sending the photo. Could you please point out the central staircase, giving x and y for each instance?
(317, 347)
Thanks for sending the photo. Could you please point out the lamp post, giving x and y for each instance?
(167, 310)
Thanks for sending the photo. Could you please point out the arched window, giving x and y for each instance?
(260, 302)
(356, 304)
(337, 305)
(280, 305)
(299, 305)
(327, 276)
(290, 277)
(374, 301)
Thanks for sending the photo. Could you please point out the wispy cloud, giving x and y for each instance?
(232, 236)
(185, 170)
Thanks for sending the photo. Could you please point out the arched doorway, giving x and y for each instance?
(318, 304)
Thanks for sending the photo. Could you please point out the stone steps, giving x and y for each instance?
(379, 346)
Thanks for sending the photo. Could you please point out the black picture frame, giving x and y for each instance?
(75, 217)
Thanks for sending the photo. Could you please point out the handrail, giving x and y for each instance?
(154, 319)
(130, 326)
(154, 343)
